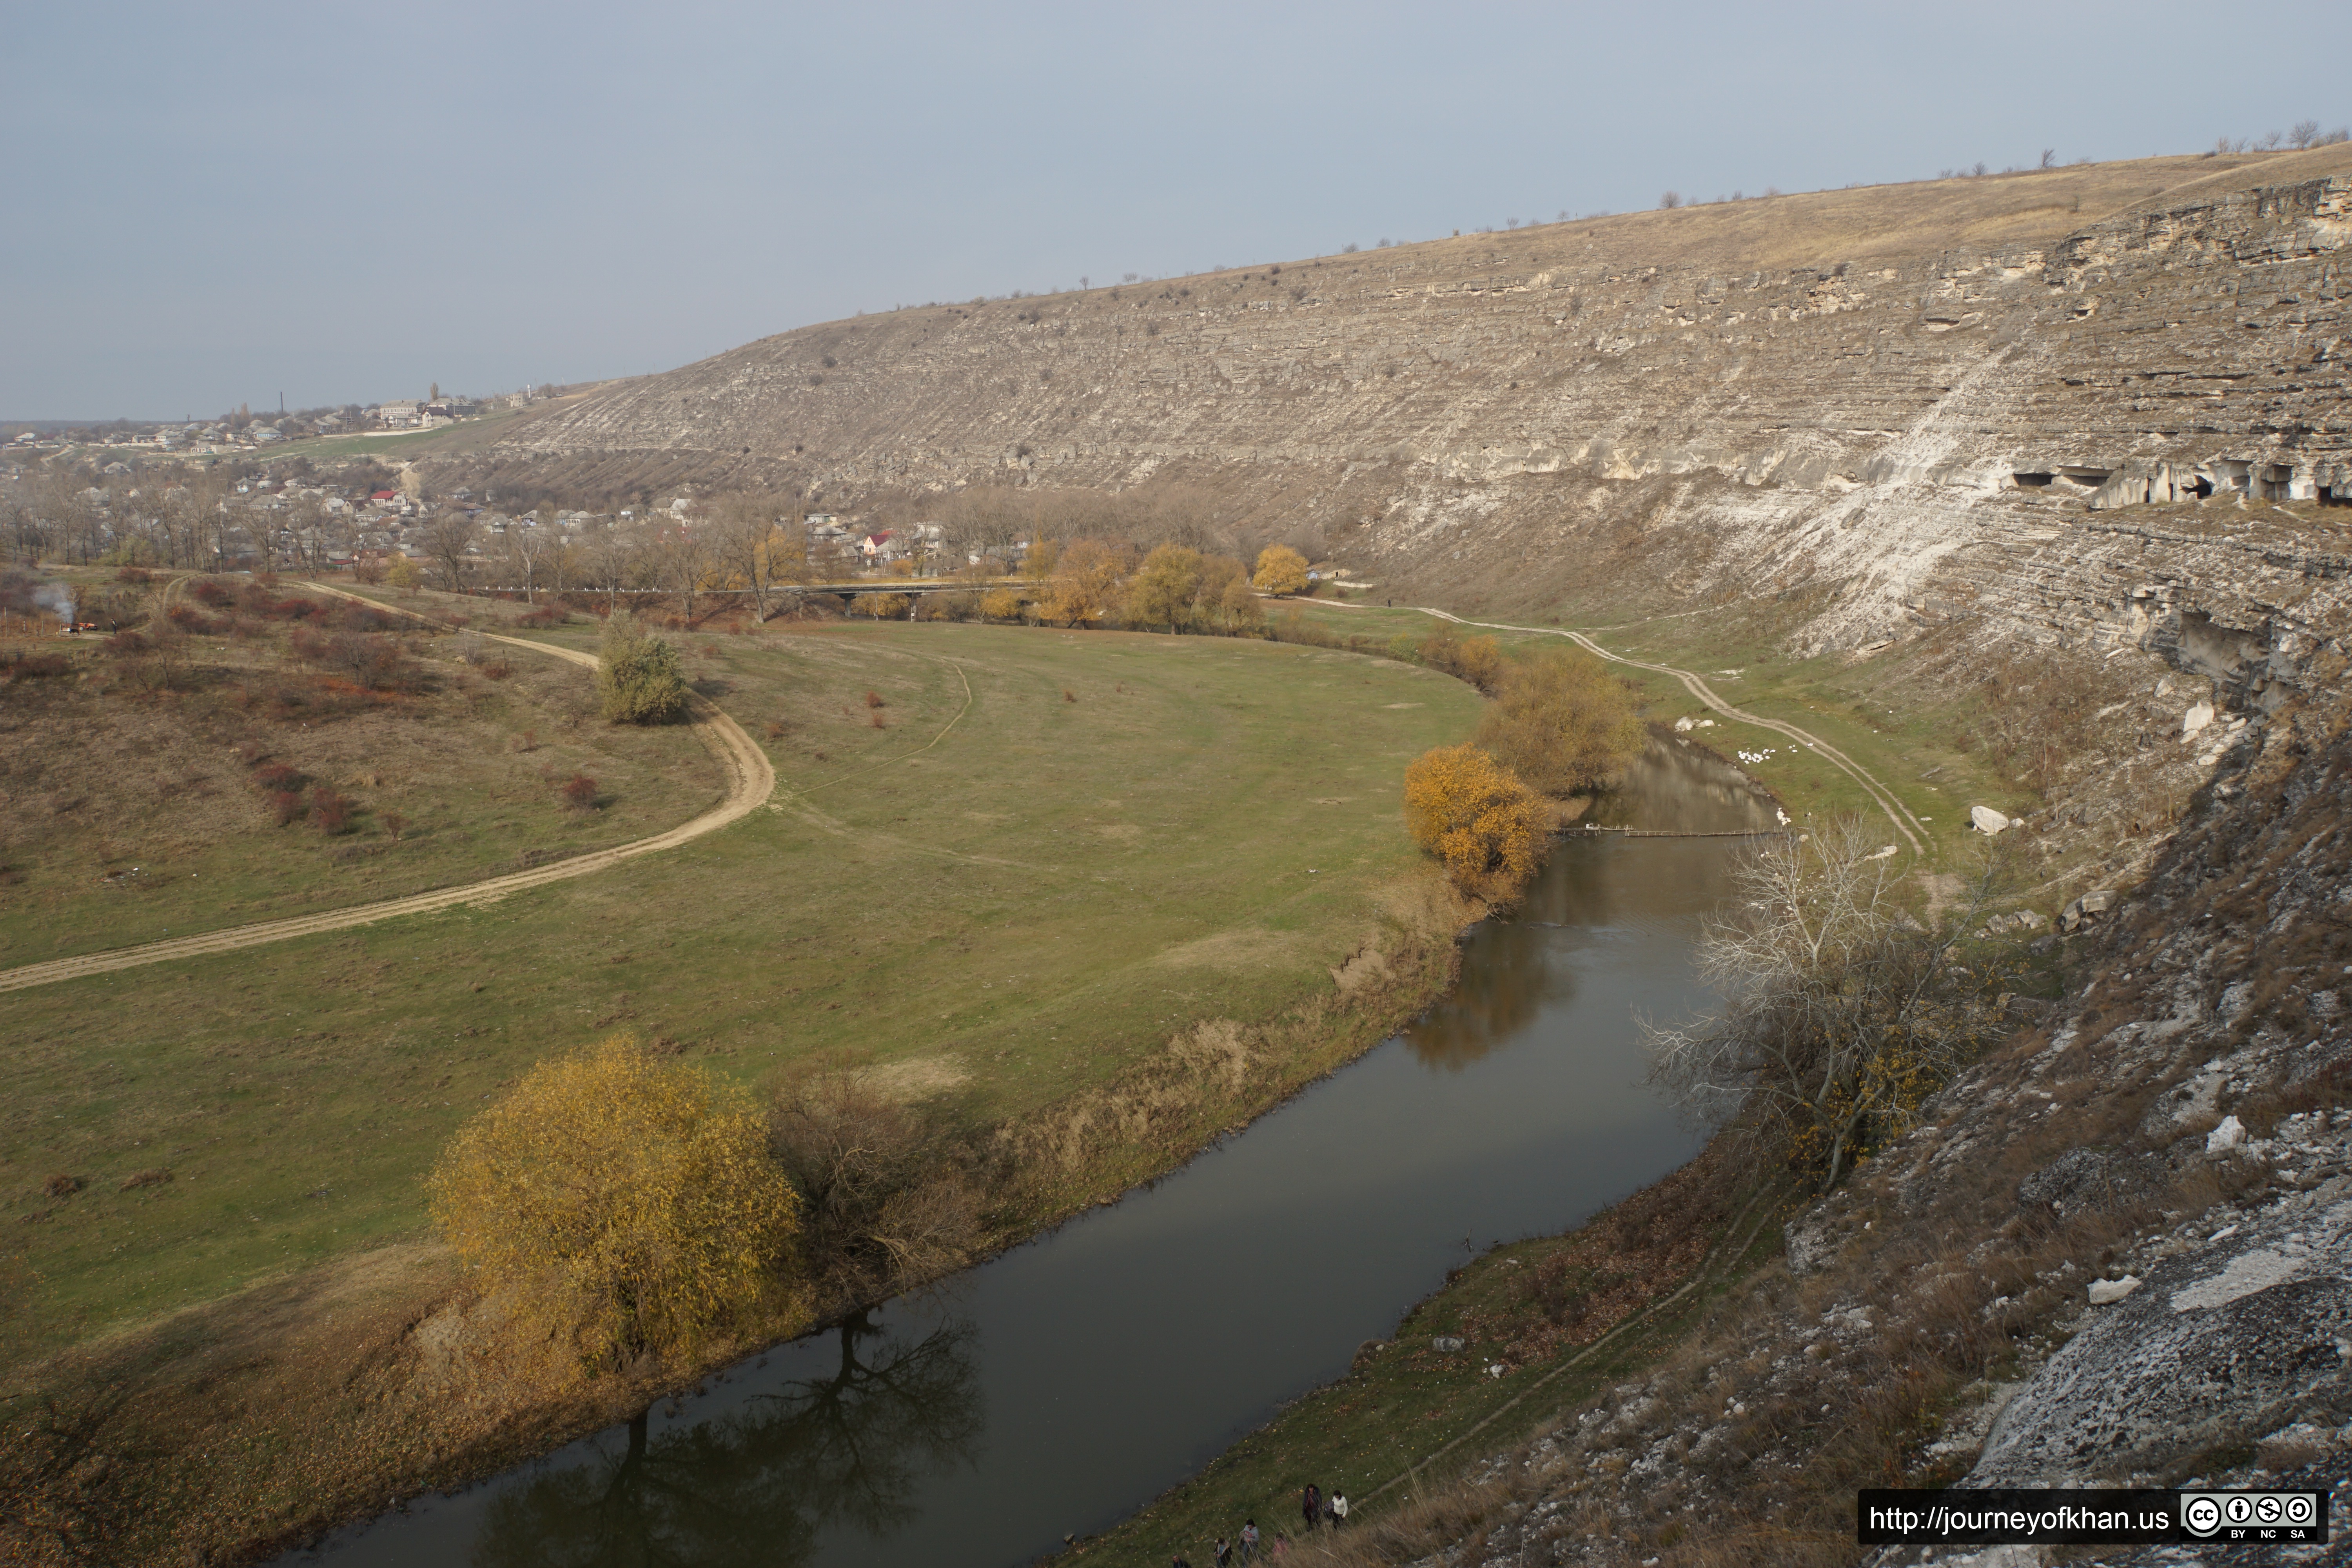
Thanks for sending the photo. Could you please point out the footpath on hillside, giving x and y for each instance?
(750, 782)
(1883, 798)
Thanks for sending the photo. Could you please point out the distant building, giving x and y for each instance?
(398, 415)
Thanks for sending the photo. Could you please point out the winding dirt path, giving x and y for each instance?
(750, 782)
(1883, 798)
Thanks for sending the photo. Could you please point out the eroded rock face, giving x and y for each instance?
(2225, 1342)
(2070, 425)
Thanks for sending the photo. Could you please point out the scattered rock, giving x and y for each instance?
(2107, 1292)
(2087, 908)
(2196, 718)
(2229, 1135)
(1986, 820)
(1445, 1343)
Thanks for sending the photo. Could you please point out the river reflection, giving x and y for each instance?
(762, 1484)
(1508, 975)
(1061, 1387)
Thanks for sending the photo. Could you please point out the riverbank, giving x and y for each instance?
(1525, 1329)
(1011, 933)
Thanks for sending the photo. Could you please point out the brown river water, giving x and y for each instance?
(1061, 1387)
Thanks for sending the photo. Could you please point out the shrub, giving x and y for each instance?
(36, 666)
(627, 1203)
(285, 805)
(874, 699)
(1562, 723)
(330, 812)
(62, 1186)
(638, 680)
(373, 661)
(544, 617)
(1478, 660)
(394, 824)
(206, 592)
(274, 776)
(1000, 604)
(1474, 815)
(579, 791)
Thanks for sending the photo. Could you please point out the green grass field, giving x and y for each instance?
(1057, 851)
(1874, 710)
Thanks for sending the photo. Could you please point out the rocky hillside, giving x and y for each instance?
(2086, 406)
(2114, 1253)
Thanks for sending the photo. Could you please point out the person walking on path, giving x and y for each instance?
(1224, 1553)
(1249, 1542)
(1337, 1508)
(1310, 1505)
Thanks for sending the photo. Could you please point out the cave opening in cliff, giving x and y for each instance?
(2330, 496)
(2034, 481)
(2200, 487)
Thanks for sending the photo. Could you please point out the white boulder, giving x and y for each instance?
(2196, 718)
(1987, 820)
(2107, 1292)
(2229, 1135)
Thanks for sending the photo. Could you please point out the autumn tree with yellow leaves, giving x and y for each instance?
(1280, 570)
(1475, 815)
(625, 1203)
(1087, 581)
(1562, 723)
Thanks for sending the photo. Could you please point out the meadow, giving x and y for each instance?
(1002, 866)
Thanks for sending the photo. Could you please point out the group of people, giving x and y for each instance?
(1316, 1511)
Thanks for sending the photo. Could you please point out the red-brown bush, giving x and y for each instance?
(285, 805)
(274, 776)
(212, 594)
(579, 791)
(330, 812)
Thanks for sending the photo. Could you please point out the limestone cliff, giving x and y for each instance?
(2069, 402)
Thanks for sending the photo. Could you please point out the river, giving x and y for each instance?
(1061, 1387)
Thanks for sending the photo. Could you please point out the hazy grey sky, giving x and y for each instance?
(212, 204)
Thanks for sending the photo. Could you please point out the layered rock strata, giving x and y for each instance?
(1965, 400)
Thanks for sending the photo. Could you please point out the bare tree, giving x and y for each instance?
(2302, 133)
(1671, 200)
(528, 552)
(609, 556)
(683, 560)
(1840, 1012)
(756, 539)
(447, 539)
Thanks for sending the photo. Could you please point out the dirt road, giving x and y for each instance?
(750, 782)
(1885, 799)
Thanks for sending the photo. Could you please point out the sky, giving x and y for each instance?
(213, 206)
